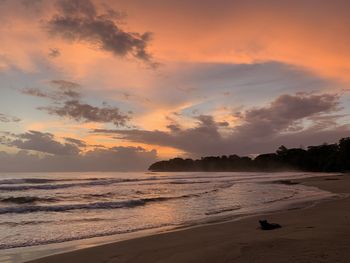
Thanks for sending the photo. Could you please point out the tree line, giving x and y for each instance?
(321, 158)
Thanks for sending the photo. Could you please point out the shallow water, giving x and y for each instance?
(40, 208)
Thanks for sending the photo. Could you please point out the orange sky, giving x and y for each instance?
(214, 58)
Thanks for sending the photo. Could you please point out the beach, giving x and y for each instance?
(174, 131)
(318, 233)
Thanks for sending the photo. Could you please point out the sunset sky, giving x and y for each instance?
(118, 84)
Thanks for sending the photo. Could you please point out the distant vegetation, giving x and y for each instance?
(321, 158)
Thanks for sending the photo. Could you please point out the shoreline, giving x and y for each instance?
(185, 245)
(33, 252)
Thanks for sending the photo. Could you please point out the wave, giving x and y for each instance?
(22, 223)
(96, 182)
(62, 208)
(96, 205)
(189, 182)
(39, 222)
(21, 181)
(46, 184)
(35, 199)
(281, 199)
(223, 210)
(27, 199)
(44, 180)
(103, 195)
(61, 186)
(86, 236)
(26, 181)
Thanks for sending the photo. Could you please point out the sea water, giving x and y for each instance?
(44, 208)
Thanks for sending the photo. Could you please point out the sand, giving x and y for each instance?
(320, 233)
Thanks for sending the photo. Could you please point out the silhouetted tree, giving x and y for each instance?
(320, 158)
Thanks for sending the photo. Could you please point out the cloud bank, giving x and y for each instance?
(43, 152)
(43, 142)
(260, 129)
(114, 159)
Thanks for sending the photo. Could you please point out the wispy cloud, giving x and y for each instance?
(66, 96)
(78, 111)
(8, 118)
(54, 52)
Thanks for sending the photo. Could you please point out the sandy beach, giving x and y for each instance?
(319, 233)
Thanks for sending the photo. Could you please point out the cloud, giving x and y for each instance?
(199, 140)
(32, 4)
(248, 31)
(65, 96)
(77, 142)
(78, 111)
(41, 151)
(79, 20)
(60, 90)
(113, 159)
(8, 118)
(204, 86)
(261, 129)
(42, 142)
(285, 113)
(54, 52)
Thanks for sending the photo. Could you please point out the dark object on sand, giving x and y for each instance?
(268, 226)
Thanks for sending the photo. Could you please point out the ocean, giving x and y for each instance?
(50, 208)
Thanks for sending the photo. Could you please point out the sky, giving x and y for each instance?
(115, 85)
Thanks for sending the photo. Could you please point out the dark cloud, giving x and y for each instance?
(126, 95)
(60, 90)
(4, 139)
(174, 127)
(78, 20)
(199, 139)
(77, 142)
(327, 121)
(54, 52)
(42, 142)
(8, 118)
(67, 89)
(37, 93)
(68, 154)
(77, 8)
(33, 4)
(78, 111)
(285, 113)
(113, 159)
(208, 121)
(66, 96)
(261, 129)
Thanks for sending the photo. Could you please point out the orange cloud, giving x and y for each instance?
(310, 34)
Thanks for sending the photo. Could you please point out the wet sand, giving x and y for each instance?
(320, 233)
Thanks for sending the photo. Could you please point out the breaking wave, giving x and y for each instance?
(94, 206)
(223, 210)
(45, 184)
(27, 199)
